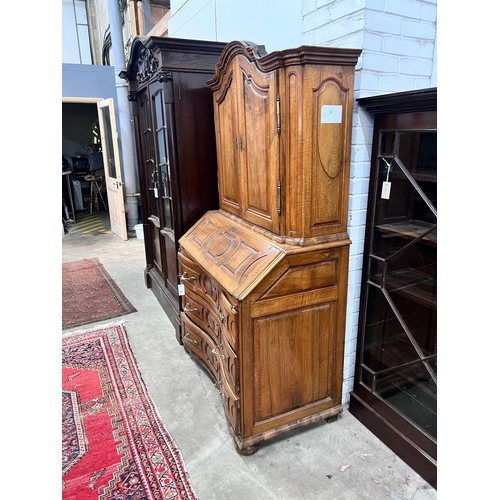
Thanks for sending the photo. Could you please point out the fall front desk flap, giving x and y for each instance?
(237, 257)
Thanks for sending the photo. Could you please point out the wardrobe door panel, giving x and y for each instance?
(162, 190)
(150, 175)
(174, 125)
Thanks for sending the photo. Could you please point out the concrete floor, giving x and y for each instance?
(341, 460)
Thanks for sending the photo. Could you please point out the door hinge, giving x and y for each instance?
(278, 114)
(279, 197)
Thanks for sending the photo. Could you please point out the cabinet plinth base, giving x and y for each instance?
(331, 419)
(247, 451)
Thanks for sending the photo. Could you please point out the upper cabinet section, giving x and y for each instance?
(247, 132)
(283, 130)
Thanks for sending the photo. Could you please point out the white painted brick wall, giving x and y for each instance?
(398, 39)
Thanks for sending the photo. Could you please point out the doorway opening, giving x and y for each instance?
(92, 179)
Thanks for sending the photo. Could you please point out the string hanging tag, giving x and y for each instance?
(386, 185)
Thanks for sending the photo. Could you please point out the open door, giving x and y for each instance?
(112, 167)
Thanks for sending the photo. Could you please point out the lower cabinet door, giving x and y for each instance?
(293, 356)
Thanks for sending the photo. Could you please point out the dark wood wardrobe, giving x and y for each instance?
(176, 153)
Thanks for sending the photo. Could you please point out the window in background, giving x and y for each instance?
(75, 33)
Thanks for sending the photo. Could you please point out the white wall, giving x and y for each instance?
(397, 38)
(276, 24)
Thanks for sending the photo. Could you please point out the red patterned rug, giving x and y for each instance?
(89, 294)
(114, 445)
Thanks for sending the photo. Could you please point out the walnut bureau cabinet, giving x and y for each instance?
(265, 275)
(176, 152)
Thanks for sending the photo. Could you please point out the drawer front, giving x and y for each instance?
(228, 365)
(228, 316)
(231, 404)
(200, 345)
(193, 278)
(200, 312)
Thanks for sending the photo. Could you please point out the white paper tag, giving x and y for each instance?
(181, 289)
(156, 192)
(386, 190)
(331, 113)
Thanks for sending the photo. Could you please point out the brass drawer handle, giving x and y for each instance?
(217, 385)
(187, 308)
(184, 277)
(215, 351)
(221, 315)
(186, 337)
(233, 309)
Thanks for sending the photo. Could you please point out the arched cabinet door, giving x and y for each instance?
(246, 105)
(259, 144)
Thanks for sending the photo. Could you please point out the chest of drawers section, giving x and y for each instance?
(210, 332)
(267, 322)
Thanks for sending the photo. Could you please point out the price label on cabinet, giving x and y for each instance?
(386, 190)
(331, 113)
(181, 289)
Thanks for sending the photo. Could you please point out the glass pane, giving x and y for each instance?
(386, 344)
(162, 152)
(167, 209)
(80, 12)
(158, 107)
(84, 44)
(109, 142)
(387, 141)
(400, 347)
(149, 155)
(413, 393)
(146, 129)
(165, 180)
(393, 368)
(418, 152)
(163, 160)
(153, 189)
